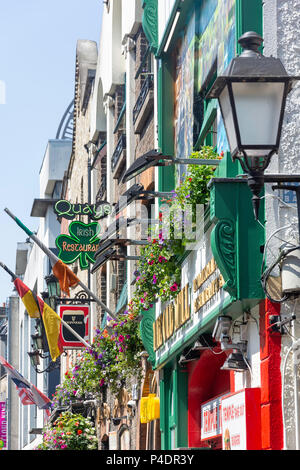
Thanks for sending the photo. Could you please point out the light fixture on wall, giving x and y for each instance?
(202, 343)
(118, 241)
(236, 360)
(170, 35)
(155, 158)
(111, 254)
(135, 192)
(252, 95)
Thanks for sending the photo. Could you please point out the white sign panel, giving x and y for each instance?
(211, 424)
(234, 422)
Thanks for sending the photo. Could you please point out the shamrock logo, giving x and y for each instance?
(82, 243)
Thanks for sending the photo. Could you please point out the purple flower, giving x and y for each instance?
(154, 279)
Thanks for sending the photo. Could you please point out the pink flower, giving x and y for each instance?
(161, 259)
(174, 287)
(142, 300)
(154, 279)
(121, 338)
(151, 261)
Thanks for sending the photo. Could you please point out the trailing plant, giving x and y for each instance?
(190, 194)
(69, 432)
(158, 273)
(113, 358)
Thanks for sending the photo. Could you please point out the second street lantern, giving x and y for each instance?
(252, 96)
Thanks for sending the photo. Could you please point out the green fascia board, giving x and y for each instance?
(231, 307)
(203, 326)
(237, 238)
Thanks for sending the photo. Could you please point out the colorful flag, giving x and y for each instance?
(65, 276)
(37, 308)
(27, 298)
(52, 323)
(27, 392)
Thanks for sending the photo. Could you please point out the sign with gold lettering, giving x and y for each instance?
(172, 318)
(208, 282)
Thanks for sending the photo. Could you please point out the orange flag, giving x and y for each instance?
(65, 276)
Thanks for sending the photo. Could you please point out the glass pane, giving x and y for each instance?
(258, 107)
(228, 119)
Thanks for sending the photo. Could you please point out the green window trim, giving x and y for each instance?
(209, 117)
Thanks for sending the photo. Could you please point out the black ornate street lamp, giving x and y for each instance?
(252, 96)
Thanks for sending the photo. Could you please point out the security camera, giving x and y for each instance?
(131, 404)
(222, 327)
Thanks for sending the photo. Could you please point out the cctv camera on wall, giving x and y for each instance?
(222, 328)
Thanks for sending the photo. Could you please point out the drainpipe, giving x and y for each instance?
(88, 147)
(296, 388)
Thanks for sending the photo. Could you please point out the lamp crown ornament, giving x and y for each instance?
(250, 42)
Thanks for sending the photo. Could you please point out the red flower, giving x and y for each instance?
(174, 287)
(79, 431)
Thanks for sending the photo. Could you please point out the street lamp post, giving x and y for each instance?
(252, 96)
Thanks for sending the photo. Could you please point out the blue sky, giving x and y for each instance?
(37, 66)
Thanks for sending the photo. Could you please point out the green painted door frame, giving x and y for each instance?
(173, 401)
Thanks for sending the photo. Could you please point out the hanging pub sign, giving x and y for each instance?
(66, 209)
(77, 317)
(82, 243)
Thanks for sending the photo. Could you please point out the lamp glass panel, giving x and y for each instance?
(258, 107)
(227, 115)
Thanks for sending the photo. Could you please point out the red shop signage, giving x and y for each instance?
(241, 428)
(211, 423)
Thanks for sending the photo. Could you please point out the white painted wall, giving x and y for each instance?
(281, 39)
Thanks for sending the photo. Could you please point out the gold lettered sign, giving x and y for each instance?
(212, 288)
(172, 318)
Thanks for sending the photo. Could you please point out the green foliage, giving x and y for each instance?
(69, 432)
(158, 273)
(113, 358)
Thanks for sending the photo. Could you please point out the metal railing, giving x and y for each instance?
(121, 145)
(146, 87)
